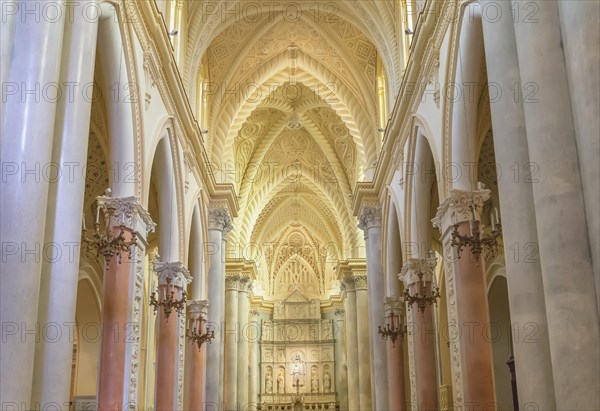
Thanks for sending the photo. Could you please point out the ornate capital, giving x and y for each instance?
(218, 219)
(360, 282)
(238, 282)
(127, 211)
(339, 313)
(254, 314)
(347, 284)
(393, 306)
(418, 270)
(197, 309)
(370, 216)
(456, 208)
(178, 274)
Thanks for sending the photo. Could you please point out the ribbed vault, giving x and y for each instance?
(292, 106)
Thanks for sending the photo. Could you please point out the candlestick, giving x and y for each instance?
(497, 215)
(83, 222)
(493, 221)
(97, 213)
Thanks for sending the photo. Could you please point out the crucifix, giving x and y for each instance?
(297, 386)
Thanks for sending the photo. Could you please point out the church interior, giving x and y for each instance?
(243, 205)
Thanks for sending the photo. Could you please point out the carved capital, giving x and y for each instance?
(238, 282)
(393, 306)
(218, 219)
(360, 282)
(418, 270)
(347, 284)
(178, 274)
(456, 208)
(197, 309)
(339, 313)
(254, 314)
(127, 211)
(370, 216)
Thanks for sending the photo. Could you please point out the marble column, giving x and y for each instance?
(351, 343)
(231, 334)
(197, 313)
(58, 283)
(170, 339)
(362, 332)
(580, 39)
(417, 275)
(28, 115)
(566, 262)
(122, 306)
(219, 225)
(243, 345)
(524, 275)
(468, 311)
(370, 223)
(254, 333)
(394, 313)
(341, 377)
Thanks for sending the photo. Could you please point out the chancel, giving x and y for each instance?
(360, 205)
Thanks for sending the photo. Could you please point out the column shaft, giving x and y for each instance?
(58, 284)
(254, 383)
(524, 276)
(168, 347)
(370, 223)
(395, 353)
(580, 35)
(468, 306)
(418, 276)
(215, 321)
(341, 377)
(362, 328)
(231, 334)
(26, 147)
(571, 303)
(195, 377)
(352, 346)
(243, 347)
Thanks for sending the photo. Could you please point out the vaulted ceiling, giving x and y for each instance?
(293, 108)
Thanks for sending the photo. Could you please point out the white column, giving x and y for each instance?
(560, 212)
(341, 377)
(351, 344)
(370, 223)
(231, 332)
(218, 225)
(580, 39)
(524, 275)
(254, 332)
(58, 284)
(25, 152)
(243, 347)
(362, 331)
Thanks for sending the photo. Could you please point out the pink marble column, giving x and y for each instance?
(197, 312)
(115, 314)
(117, 374)
(468, 313)
(395, 354)
(417, 275)
(169, 335)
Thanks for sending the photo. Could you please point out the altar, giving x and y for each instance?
(297, 359)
